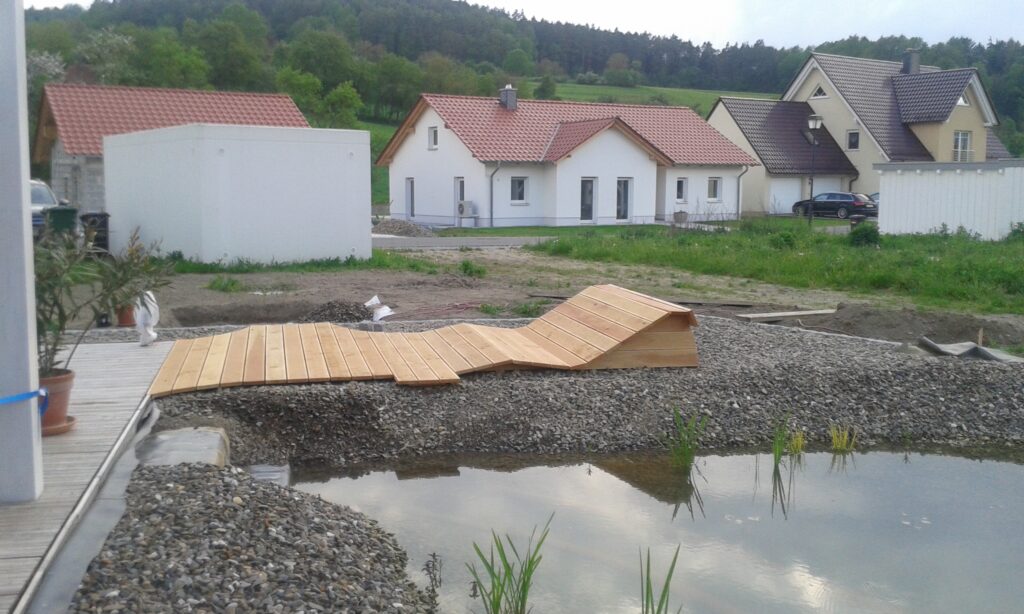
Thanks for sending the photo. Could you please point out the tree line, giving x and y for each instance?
(343, 59)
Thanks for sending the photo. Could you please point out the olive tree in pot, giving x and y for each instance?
(74, 284)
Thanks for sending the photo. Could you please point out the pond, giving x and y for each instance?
(878, 532)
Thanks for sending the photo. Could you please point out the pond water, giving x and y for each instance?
(875, 532)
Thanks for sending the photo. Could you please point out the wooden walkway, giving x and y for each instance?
(110, 385)
(603, 327)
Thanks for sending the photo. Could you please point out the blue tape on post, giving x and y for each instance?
(25, 396)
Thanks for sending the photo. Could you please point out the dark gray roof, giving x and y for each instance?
(776, 131)
(867, 86)
(930, 96)
(994, 148)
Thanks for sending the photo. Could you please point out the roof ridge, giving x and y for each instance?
(853, 57)
(570, 102)
(148, 88)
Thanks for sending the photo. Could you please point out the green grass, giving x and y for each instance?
(529, 309)
(648, 602)
(844, 438)
(379, 260)
(472, 269)
(700, 101)
(950, 271)
(548, 231)
(380, 134)
(795, 446)
(490, 310)
(780, 436)
(225, 283)
(683, 443)
(504, 586)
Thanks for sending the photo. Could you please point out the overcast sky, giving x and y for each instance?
(777, 22)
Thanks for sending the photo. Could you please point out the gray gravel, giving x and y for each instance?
(750, 376)
(401, 228)
(200, 539)
(339, 311)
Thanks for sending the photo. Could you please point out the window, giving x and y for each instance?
(681, 189)
(410, 197)
(432, 137)
(714, 189)
(587, 200)
(852, 140)
(962, 151)
(622, 196)
(963, 102)
(518, 189)
(819, 92)
(460, 192)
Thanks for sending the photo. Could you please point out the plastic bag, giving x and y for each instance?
(147, 316)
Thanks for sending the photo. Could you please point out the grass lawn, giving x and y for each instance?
(943, 271)
(540, 231)
(380, 259)
(700, 101)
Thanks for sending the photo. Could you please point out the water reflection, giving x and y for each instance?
(880, 538)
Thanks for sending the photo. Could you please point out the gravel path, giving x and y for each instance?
(201, 539)
(750, 376)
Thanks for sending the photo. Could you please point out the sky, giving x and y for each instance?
(781, 23)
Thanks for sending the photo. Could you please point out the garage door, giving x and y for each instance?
(827, 184)
(782, 193)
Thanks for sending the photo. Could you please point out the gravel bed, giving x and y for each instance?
(750, 376)
(196, 538)
(401, 228)
(339, 311)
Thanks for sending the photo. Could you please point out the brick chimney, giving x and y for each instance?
(507, 97)
(911, 62)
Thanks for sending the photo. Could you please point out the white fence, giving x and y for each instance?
(986, 198)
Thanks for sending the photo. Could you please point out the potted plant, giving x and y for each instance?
(74, 284)
(131, 273)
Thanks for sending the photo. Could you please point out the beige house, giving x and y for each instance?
(875, 111)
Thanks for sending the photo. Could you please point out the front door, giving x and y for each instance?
(587, 200)
(622, 196)
(410, 198)
(460, 193)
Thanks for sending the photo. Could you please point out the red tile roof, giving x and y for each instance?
(493, 133)
(570, 135)
(84, 114)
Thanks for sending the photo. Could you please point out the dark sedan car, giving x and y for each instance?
(840, 204)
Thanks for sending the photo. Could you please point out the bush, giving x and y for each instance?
(471, 269)
(864, 234)
(783, 240)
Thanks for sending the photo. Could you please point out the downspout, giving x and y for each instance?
(491, 195)
(852, 181)
(739, 192)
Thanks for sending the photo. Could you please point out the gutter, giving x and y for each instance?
(491, 194)
(739, 192)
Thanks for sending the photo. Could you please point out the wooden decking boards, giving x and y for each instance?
(603, 327)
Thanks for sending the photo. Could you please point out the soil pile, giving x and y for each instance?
(402, 228)
(338, 311)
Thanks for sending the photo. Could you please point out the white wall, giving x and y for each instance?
(607, 157)
(225, 192)
(434, 172)
(696, 204)
(539, 207)
(983, 198)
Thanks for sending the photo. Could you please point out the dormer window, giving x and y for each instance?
(432, 137)
(819, 92)
(963, 101)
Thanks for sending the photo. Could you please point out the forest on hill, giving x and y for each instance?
(347, 59)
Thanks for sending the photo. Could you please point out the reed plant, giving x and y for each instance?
(780, 439)
(844, 438)
(683, 443)
(650, 604)
(505, 582)
(796, 443)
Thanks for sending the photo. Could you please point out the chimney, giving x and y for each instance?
(911, 62)
(507, 97)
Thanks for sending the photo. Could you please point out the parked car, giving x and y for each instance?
(875, 197)
(839, 204)
(42, 199)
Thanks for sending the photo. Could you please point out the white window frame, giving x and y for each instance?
(526, 191)
(848, 134)
(629, 198)
(960, 153)
(432, 138)
(686, 189)
(717, 182)
(963, 102)
(816, 96)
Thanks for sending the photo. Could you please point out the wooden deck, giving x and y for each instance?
(603, 327)
(110, 383)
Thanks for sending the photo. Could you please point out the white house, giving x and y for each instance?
(220, 192)
(508, 162)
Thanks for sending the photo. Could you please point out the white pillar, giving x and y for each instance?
(21, 459)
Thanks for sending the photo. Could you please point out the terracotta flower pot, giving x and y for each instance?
(126, 316)
(58, 386)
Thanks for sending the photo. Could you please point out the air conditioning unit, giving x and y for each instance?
(467, 213)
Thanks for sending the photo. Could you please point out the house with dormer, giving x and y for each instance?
(873, 111)
(468, 160)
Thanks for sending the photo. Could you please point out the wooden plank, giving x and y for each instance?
(559, 337)
(650, 301)
(313, 354)
(628, 305)
(534, 353)
(571, 360)
(443, 374)
(584, 332)
(782, 315)
(234, 362)
(163, 383)
(469, 353)
(294, 356)
(451, 357)
(256, 356)
(419, 367)
(188, 377)
(376, 366)
(677, 340)
(276, 370)
(620, 317)
(603, 325)
(337, 367)
(209, 377)
(620, 359)
(396, 364)
(493, 353)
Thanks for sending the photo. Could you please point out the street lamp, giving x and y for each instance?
(813, 123)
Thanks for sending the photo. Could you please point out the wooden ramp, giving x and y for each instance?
(602, 327)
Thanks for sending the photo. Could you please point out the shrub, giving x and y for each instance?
(864, 235)
(782, 240)
(225, 283)
(1016, 232)
(471, 269)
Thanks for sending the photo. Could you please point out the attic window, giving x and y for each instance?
(963, 101)
(819, 92)
(432, 137)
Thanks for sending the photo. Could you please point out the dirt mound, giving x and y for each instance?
(402, 228)
(338, 311)
(263, 312)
